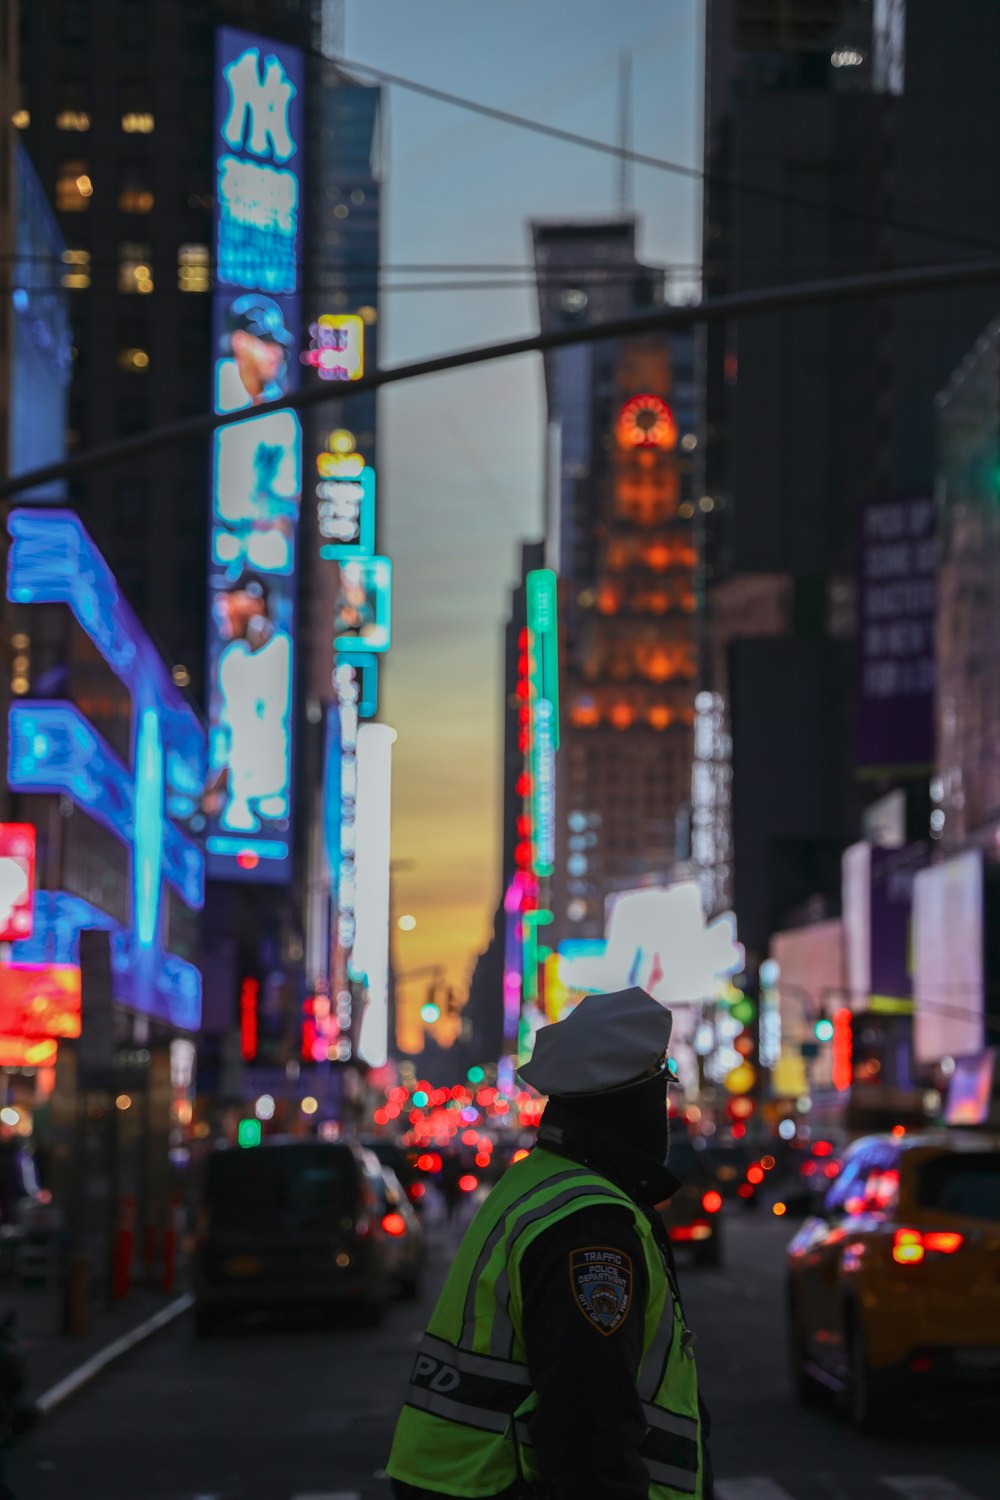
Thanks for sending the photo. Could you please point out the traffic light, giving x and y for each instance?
(823, 1028)
(249, 1133)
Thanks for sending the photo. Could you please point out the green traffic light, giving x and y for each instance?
(249, 1133)
(823, 1029)
(476, 1075)
(744, 1011)
(420, 1099)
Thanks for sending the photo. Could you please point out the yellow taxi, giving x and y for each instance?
(897, 1281)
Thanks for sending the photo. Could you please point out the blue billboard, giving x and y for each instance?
(256, 481)
(150, 801)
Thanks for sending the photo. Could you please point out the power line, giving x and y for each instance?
(659, 320)
(657, 163)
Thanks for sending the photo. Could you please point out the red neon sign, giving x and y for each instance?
(17, 880)
(842, 1049)
(249, 996)
(647, 422)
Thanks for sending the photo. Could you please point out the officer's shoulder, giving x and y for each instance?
(611, 1224)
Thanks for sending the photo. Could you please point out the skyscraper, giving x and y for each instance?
(619, 532)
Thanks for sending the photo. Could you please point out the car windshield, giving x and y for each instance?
(274, 1189)
(962, 1184)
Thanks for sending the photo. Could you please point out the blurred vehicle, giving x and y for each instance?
(405, 1246)
(815, 1165)
(692, 1217)
(737, 1170)
(289, 1223)
(898, 1283)
(403, 1161)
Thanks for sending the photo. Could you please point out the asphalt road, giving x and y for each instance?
(275, 1412)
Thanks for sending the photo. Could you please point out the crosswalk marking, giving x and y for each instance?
(926, 1487)
(758, 1487)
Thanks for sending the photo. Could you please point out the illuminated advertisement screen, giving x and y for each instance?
(146, 795)
(256, 478)
(948, 959)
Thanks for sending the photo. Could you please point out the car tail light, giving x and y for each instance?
(415, 1190)
(699, 1230)
(910, 1246)
(712, 1201)
(394, 1224)
(468, 1183)
(755, 1175)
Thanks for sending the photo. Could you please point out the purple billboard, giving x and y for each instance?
(897, 602)
(256, 480)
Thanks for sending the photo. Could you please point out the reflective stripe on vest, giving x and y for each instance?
(469, 1381)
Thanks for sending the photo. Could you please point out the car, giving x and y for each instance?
(406, 1246)
(896, 1284)
(737, 1170)
(403, 1161)
(692, 1217)
(288, 1223)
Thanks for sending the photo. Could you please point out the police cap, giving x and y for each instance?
(607, 1041)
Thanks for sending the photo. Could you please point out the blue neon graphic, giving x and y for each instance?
(53, 749)
(256, 477)
(365, 669)
(147, 848)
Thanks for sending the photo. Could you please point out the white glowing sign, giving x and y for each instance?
(658, 939)
(371, 940)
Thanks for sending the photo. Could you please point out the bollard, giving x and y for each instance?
(175, 1215)
(121, 1270)
(149, 1253)
(76, 1297)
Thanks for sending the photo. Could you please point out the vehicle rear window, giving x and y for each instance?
(962, 1184)
(281, 1188)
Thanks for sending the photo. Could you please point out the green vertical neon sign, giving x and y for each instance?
(543, 665)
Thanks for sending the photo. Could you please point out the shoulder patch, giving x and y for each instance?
(601, 1278)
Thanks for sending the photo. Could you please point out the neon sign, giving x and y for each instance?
(337, 347)
(256, 243)
(543, 718)
(17, 880)
(362, 621)
(257, 464)
(53, 749)
(647, 422)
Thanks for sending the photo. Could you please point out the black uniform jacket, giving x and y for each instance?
(583, 1352)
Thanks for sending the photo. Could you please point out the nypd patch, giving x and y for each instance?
(602, 1286)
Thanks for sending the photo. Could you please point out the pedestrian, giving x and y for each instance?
(557, 1362)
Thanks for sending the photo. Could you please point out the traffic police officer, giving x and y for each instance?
(557, 1362)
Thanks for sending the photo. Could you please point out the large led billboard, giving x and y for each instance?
(256, 477)
(147, 796)
(949, 959)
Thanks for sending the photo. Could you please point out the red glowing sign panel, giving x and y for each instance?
(647, 422)
(249, 997)
(17, 880)
(39, 1002)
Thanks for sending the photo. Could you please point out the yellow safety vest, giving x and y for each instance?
(464, 1427)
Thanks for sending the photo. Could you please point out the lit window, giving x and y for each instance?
(74, 188)
(138, 122)
(135, 200)
(135, 267)
(77, 273)
(133, 361)
(194, 272)
(20, 119)
(73, 119)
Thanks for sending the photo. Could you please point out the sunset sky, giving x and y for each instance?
(461, 454)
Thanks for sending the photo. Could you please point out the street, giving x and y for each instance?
(273, 1412)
